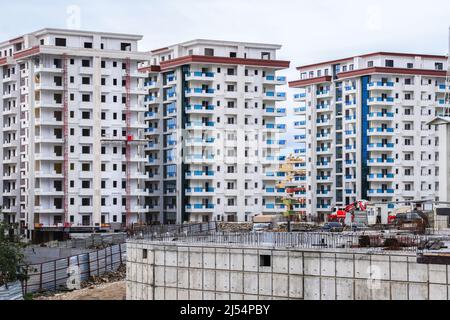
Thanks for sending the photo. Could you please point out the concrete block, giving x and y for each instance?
(150, 295)
(209, 258)
(160, 276)
(129, 290)
(209, 296)
(265, 284)
(159, 293)
(250, 297)
(171, 277)
(159, 257)
(183, 294)
(222, 259)
(183, 257)
(418, 291)
(438, 292)
(171, 258)
(236, 297)
(296, 263)
(237, 282)
(362, 291)
(251, 283)
(380, 267)
(220, 296)
(134, 272)
(399, 291)
(139, 272)
(344, 289)
(280, 285)
(381, 291)
(209, 280)
(280, 262)
(295, 287)
(195, 295)
(171, 294)
(222, 281)
(362, 266)
(144, 273)
(251, 260)
(312, 264)
(183, 278)
(327, 265)
(328, 288)
(150, 275)
(399, 268)
(417, 272)
(196, 279)
(438, 273)
(312, 288)
(195, 258)
(237, 260)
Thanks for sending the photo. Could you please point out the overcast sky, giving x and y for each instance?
(309, 31)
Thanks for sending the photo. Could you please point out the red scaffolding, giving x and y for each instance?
(66, 141)
(128, 140)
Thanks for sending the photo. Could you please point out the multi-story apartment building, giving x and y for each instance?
(72, 118)
(364, 129)
(214, 137)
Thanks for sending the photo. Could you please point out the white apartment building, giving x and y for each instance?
(213, 130)
(364, 129)
(72, 118)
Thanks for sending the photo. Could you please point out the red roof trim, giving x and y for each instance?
(395, 54)
(424, 72)
(306, 82)
(3, 61)
(224, 60)
(28, 52)
(150, 69)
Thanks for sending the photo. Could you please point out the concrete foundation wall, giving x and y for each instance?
(219, 273)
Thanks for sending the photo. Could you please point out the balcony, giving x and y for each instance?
(271, 79)
(300, 137)
(380, 132)
(323, 107)
(150, 85)
(380, 116)
(385, 192)
(324, 150)
(379, 85)
(324, 164)
(276, 96)
(199, 92)
(200, 76)
(324, 122)
(350, 118)
(323, 136)
(324, 207)
(200, 208)
(300, 97)
(199, 175)
(274, 112)
(380, 162)
(323, 94)
(198, 191)
(324, 178)
(379, 177)
(380, 147)
(300, 110)
(199, 125)
(380, 101)
(199, 142)
(200, 109)
(151, 116)
(300, 124)
(350, 89)
(198, 158)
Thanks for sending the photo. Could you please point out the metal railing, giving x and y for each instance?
(97, 240)
(304, 240)
(158, 231)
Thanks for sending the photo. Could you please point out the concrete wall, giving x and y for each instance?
(174, 271)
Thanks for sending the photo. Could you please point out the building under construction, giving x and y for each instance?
(73, 121)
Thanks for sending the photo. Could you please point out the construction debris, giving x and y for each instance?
(109, 277)
(235, 227)
(432, 245)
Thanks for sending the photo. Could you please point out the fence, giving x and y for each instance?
(13, 292)
(54, 275)
(303, 240)
(173, 230)
(95, 240)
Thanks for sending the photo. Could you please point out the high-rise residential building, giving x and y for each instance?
(213, 129)
(363, 129)
(72, 119)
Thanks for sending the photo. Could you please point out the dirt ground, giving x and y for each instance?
(108, 291)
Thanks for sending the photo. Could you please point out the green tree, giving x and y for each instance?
(11, 256)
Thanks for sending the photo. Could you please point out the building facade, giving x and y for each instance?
(363, 129)
(214, 135)
(73, 126)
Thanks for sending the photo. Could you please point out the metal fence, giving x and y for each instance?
(96, 240)
(151, 231)
(305, 240)
(54, 275)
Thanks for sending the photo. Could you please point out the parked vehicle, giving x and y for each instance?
(332, 227)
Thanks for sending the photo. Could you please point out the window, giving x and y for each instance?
(389, 63)
(369, 64)
(86, 63)
(233, 55)
(88, 45)
(439, 66)
(265, 261)
(265, 55)
(125, 46)
(144, 254)
(410, 65)
(209, 52)
(60, 42)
